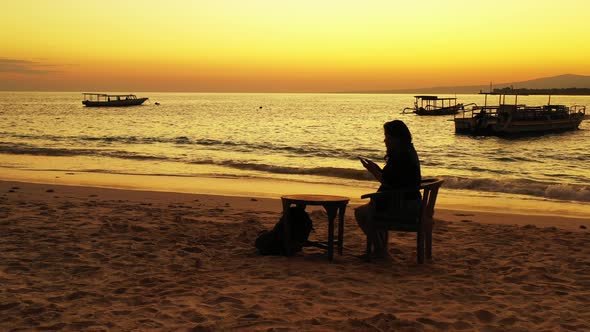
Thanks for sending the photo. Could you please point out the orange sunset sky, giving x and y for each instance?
(287, 46)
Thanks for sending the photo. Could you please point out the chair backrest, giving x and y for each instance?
(398, 212)
(430, 188)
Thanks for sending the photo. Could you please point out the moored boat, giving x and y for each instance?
(514, 119)
(105, 100)
(433, 105)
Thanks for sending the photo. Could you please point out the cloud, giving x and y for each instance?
(25, 67)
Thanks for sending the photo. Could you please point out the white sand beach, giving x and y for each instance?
(95, 259)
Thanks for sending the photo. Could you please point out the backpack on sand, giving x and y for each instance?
(271, 242)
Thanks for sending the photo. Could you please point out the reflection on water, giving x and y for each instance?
(297, 137)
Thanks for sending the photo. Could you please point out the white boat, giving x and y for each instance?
(514, 119)
(433, 105)
(105, 100)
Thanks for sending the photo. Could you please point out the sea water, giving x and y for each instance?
(299, 138)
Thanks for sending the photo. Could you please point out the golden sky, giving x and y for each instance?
(284, 45)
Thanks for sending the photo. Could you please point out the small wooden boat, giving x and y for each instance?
(518, 119)
(104, 100)
(433, 105)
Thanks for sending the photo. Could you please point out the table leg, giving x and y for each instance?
(331, 216)
(341, 212)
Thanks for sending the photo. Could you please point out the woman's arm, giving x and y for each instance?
(373, 169)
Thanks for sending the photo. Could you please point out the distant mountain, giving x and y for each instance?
(556, 82)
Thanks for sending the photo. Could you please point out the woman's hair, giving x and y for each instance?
(398, 129)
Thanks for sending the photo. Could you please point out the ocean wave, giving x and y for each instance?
(573, 192)
(344, 173)
(240, 146)
(513, 159)
(27, 149)
(502, 184)
(558, 191)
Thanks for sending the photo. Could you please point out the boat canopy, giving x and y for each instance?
(433, 98)
(105, 95)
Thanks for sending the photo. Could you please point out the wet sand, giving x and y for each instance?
(96, 259)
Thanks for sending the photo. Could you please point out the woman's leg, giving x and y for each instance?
(381, 243)
(362, 215)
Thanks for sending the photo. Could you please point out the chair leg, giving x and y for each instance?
(420, 247)
(429, 244)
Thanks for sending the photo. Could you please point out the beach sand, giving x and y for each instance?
(96, 259)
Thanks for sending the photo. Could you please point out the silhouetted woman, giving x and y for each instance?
(402, 170)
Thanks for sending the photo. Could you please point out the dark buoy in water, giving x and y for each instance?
(260, 107)
(157, 104)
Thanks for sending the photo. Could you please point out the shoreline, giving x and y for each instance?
(449, 212)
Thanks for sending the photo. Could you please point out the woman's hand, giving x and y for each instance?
(372, 168)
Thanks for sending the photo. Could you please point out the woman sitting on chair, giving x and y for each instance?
(402, 170)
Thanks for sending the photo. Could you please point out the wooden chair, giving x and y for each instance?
(398, 216)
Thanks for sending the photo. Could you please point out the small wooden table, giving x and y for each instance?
(333, 205)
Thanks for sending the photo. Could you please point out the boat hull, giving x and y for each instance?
(472, 126)
(439, 111)
(115, 103)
